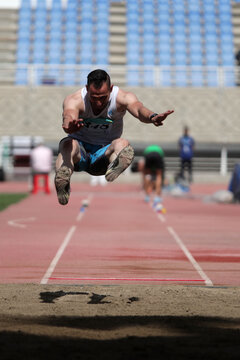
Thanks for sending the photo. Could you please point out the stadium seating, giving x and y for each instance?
(186, 36)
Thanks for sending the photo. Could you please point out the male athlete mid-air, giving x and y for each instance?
(93, 120)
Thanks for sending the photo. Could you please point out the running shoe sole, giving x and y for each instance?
(122, 161)
(62, 184)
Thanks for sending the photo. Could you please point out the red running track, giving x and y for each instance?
(119, 238)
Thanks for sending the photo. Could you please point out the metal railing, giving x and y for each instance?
(153, 76)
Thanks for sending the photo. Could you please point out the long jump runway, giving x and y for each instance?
(120, 239)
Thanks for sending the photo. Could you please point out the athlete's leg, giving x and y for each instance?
(115, 148)
(120, 154)
(190, 171)
(158, 183)
(69, 154)
(141, 169)
(182, 168)
(148, 184)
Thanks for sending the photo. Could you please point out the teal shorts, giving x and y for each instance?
(93, 158)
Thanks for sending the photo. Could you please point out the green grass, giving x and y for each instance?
(7, 199)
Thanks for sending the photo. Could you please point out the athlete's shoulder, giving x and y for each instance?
(75, 99)
(125, 98)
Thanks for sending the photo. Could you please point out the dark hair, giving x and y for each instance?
(97, 78)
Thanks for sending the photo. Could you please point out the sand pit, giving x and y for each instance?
(119, 322)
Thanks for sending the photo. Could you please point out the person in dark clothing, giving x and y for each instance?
(186, 151)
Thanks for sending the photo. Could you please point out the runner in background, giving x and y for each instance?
(152, 169)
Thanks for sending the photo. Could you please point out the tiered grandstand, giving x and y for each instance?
(141, 42)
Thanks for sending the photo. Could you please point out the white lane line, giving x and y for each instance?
(162, 218)
(58, 255)
(20, 222)
(64, 245)
(190, 257)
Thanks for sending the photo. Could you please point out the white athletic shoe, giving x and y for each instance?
(62, 184)
(122, 161)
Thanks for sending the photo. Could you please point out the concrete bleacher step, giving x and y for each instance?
(7, 57)
(8, 44)
(117, 40)
(236, 25)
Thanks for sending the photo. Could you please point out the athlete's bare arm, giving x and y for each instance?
(72, 106)
(129, 101)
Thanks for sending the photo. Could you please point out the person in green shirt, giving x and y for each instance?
(152, 169)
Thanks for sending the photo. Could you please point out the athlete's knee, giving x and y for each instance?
(68, 144)
(119, 144)
(122, 142)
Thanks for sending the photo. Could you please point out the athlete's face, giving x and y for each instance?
(99, 97)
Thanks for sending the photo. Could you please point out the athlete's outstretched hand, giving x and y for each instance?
(159, 118)
(70, 125)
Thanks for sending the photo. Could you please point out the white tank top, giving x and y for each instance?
(103, 128)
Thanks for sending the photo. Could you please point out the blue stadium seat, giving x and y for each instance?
(21, 76)
(70, 14)
(194, 17)
(166, 77)
(56, 4)
(70, 57)
(196, 77)
(70, 45)
(212, 59)
(224, 6)
(82, 78)
(163, 17)
(133, 38)
(178, 5)
(228, 58)
(165, 58)
(212, 77)
(23, 34)
(195, 47)
(39, 56)
(85, 56)
(24, 15)
(164, 27)
(195, 37)
(193, 5)
(148, 58)
(72, 5)
(22, 55)
(180, 59)
(25, 4)
(181, 77)
(148, 77)
(208, 6)
(87, 10)
(229, 77)
(133, 59)
(132, 78)
(195, 59)
(132, 17)
(71, 25)
(211, 38)
(69, 77)
(211, 47)
(40, 34)
(53, 74)
(40, 24)
(54, 57)
(132, 28)
(38, 44)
